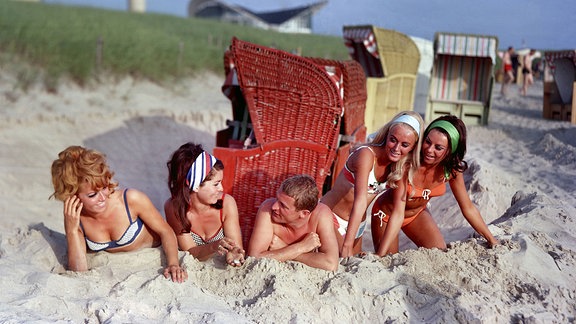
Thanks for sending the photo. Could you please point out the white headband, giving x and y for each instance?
(407, 119)
(199, 170)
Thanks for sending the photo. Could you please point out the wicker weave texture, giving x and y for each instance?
(289, 97)
(398, 52)
(254, 175)
(354, 86)
(387, 97)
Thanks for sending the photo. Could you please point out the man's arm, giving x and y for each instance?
(263, 230)
(263, 236)
(327, 255)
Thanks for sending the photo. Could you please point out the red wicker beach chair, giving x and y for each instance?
(295, 108)
(253, 175)
(352, 128)
(288, 96)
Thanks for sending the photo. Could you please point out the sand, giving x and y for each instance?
(522, 177)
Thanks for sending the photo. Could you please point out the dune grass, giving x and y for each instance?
(54, 41)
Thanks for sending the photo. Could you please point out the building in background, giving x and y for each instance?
(293, 20)
(137, 6)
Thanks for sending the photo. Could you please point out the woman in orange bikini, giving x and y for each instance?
(98, 217)
(367, 169)
(441, 162)
(204, 218)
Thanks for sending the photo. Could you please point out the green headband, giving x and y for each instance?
(450, 129)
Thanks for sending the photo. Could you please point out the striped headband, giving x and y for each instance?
(407, 119)
(448, 128)
(199, 170)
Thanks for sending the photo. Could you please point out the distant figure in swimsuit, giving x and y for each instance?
(295, 226)
(508, 70)
(99, 217)
(527, 72)
(204, 218)
(443, 150)
(365, 173)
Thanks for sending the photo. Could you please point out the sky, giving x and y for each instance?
(540, 24)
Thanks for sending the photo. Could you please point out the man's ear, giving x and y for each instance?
(304, 213)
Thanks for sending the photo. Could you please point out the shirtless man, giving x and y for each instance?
(508, 71)
(295, 226)
(527, 72)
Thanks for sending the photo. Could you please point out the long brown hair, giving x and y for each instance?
(178, 167)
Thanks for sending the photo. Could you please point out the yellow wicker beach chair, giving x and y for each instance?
(390, 60)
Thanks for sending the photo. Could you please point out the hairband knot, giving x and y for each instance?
(199, 170)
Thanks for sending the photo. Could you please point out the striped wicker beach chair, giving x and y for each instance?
(295, 107)
(390, 60)
(560, 85)
(462, 77)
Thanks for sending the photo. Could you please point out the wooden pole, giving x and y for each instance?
(573, 110)
(180, 55)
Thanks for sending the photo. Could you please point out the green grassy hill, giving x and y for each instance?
(48, 42)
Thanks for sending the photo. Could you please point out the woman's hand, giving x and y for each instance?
(223, 246)
(234, 254)
(346, 251)
(176, 273)
(72, 209)
(493, 242)
(235, 257)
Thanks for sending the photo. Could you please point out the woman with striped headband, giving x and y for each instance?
(367, 169)
(204, 218)
(441, 161)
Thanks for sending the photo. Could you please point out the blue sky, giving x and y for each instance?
(542, 24)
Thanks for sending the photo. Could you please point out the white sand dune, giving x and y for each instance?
(522, 176)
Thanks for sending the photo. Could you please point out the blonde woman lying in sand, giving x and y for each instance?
(366, 170)
(98, 217)
(443, 150)
(204, 218)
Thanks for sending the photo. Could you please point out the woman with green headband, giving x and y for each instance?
(441, 161)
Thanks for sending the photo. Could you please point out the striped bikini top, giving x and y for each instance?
(127, 238)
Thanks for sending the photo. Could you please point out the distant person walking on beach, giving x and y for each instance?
(508, 70)
(527, 72)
